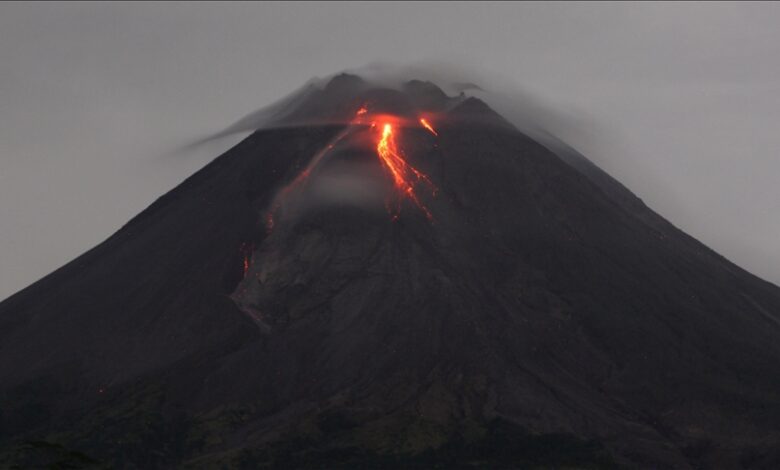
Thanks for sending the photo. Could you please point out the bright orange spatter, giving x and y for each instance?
(428, 126)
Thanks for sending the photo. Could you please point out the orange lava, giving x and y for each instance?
(405, 177)
(428, 126)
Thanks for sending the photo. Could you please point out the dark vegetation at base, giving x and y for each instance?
(35, 455)
(503, 446)
(136, 429)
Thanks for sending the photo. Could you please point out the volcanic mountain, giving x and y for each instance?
(393, 278)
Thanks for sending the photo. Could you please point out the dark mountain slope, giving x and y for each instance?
(538, 320)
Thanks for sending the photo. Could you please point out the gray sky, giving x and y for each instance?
(681, 102)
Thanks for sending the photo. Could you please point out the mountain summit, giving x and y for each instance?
(393, 278)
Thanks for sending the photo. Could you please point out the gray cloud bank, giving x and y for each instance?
(679, 102)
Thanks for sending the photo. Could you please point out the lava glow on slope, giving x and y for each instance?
(405, 176)
(385, 129)
(428, 126)
(246, 251)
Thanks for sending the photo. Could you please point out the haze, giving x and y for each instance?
(679, 102)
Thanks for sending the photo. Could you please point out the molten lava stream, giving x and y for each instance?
(404, 175)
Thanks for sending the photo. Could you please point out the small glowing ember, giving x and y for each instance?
(428, 126)
(246, 251)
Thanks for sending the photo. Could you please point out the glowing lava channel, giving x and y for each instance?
(405, 176)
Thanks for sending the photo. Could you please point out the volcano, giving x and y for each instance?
(393, 278)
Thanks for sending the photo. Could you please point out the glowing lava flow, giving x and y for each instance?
(404, 175)
(428, 126)
(300, 179)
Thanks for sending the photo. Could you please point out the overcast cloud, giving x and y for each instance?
(680, 102)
